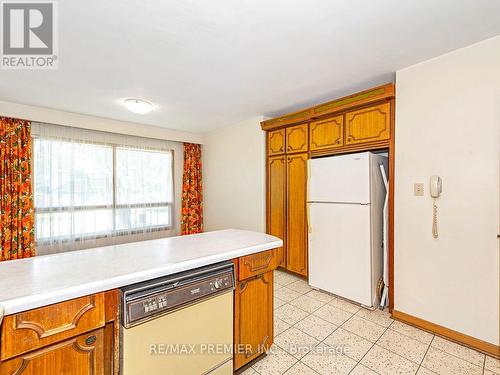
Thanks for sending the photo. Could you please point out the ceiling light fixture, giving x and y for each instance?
(139, 106)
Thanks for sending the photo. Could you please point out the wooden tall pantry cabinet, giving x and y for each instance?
(359, 122)
(287, 178)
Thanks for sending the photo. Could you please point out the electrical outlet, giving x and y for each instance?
(418, 189)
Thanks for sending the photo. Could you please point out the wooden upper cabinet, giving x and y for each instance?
(296, 214)
(276, 201)
(328, 133)
(254, 318)
(276, 142)
(368, 124)
(80, 355)
(297, 138)
(33, 329)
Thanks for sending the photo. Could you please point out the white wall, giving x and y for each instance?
(52, 116)
(234, 177)
(447, 123)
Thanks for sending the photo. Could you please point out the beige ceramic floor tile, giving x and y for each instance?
(412, 332)
(320, 296)
(295, 342)
(332, 314)
(342, 304)
(488, 372)
(364, 328)
(385, 362)
(300, 369)
(284, 278)
(290, 314)
(307, 303)
(326, 361)
(276, 362)
(362, 370)
(286, 294)
(403, 345)
(300, 286)
(492, 364)
(460, 351)
(277, 286)
(316, 327)
(377, 316)
(424, 371)
(280, 326)
(278, 302)
(443, 363)
(354, 346)
(249, 371)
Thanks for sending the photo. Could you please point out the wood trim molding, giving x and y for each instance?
(458, 337)
(377, 145)
(375, 94)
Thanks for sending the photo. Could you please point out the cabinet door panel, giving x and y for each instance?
(368, 124)
(81, 355)
(296, 252)
(276, 142)
(297, 138)
(33, 329)
(276, 202)
(254, 321)
(327, 133)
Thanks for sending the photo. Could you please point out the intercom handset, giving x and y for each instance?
(436, 187)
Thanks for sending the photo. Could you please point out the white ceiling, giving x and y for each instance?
(207, 64)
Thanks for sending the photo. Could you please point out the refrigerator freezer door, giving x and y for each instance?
(341, 179)
(340, 250)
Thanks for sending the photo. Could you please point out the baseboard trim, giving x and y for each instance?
(460, 338)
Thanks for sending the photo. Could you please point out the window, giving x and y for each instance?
(86, 190)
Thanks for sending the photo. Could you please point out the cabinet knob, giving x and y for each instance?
(90, 340)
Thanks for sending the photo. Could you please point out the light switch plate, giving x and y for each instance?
(418, 189)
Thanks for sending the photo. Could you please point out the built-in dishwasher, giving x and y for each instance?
(179, 324)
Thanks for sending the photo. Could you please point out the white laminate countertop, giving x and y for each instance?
(39, 281)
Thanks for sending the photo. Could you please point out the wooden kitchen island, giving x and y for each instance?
(61, 313)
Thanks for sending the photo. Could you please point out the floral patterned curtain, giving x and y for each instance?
(192, 203)
(17, 234)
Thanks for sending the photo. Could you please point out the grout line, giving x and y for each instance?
(413, 338)
(425, 354)
(368, 351)
(456, 356)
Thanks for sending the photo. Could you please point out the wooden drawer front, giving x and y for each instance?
(81, 355)
(276, 142)
(327, 133)
(33, 329)
(368, 124)
(297, 138)
(255, 264)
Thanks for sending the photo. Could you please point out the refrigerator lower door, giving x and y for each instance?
(340, 250)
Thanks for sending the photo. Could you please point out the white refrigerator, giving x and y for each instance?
(346, 196)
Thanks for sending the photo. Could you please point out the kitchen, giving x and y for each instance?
(311, 215)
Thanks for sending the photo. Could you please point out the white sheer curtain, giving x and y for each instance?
(94, 188)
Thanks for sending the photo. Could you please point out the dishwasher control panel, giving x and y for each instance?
(144, 301)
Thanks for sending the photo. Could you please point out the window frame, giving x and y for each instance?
(114, 206)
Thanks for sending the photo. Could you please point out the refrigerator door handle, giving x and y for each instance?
(308, 216)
